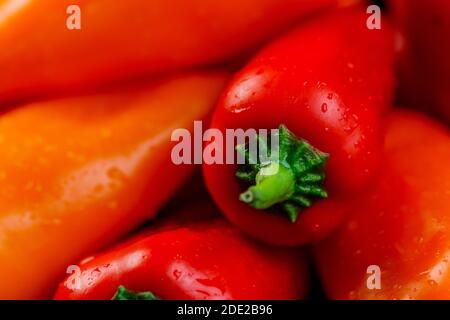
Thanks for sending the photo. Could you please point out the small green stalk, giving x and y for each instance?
(292, 180)
(270, 189)
(124, 294)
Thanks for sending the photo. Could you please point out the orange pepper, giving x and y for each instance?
(119, 39)
(77, 173)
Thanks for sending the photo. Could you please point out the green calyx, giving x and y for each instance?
(124, 294)
(291, 178)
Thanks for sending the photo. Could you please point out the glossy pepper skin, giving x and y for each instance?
(401, 225)
(196, 261)
(328, 82)
(121, 39)
(78, 173)
(424, 63)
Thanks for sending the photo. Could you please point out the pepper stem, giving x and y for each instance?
(124, 294)
(291, 179)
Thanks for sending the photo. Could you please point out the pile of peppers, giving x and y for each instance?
(93, 207)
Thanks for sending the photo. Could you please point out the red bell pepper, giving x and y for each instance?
(401, 226)
(193, 261)
(127, 38)
(328, 82)
(424, 59)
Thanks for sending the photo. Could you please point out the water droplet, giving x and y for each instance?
(321, 84)
(330, 96)
(116, 173)
(177, 274)
(324, 107)
(432, 283)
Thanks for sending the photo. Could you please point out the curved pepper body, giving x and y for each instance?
(121, 39)
(328, 82)
(401, 225)
(78, 173)
(424, 63)
(196, 261)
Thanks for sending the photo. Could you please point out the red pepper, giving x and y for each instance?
(401, 226)
(425, 50)
(328, 82)
(194, 261)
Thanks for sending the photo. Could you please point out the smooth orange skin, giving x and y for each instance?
(76, 174)
(119, 39)
(402, 225)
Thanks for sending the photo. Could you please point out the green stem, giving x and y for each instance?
(270, 188)
(292, 180)
(124, 294)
